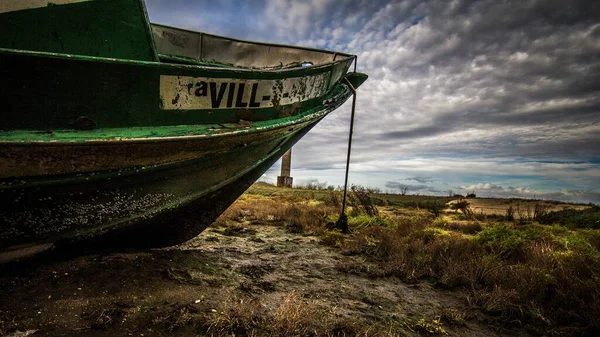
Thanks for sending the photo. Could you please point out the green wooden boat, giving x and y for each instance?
(124, 132)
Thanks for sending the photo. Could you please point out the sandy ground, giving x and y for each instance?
(142, 293)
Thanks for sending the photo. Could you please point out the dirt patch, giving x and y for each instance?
(226, 282)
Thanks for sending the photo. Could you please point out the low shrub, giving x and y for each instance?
(364, 220)
(463, 206)
(434, 206)
(359, 198)
(254, 209)
(333, 238)
(548, 276)
(592, 237)
(572, 218)
(307, 219)
(334, 199)
(465, 227)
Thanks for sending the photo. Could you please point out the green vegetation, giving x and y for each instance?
(537, 275)
(587, 218)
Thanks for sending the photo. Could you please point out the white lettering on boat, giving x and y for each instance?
(17, 5)
(193, 93)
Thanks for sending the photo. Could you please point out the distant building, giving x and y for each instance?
(284, 180)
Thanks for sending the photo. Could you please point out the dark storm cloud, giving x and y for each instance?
(417, 132)
(491, 65)
(399, 186)
(496, 191)
(422, 180)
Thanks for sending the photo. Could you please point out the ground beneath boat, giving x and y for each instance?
(225, 282)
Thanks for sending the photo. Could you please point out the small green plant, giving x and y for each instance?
(454, 317)
(431, 328)
(363, 220)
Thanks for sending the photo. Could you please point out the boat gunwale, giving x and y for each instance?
(148, 30)
(168, 66)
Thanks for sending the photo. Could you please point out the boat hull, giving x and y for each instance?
(183, 223)
(141, 139)
(141, 206)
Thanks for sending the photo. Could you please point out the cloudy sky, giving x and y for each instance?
(492, 96)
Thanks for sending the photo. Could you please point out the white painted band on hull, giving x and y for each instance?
(17, 5)
(194, 93)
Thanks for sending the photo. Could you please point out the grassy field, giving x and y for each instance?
(275, 265)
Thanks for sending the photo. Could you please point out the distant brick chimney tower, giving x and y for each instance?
(284, 180)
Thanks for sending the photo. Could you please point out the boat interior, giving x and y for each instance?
(184, 46)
